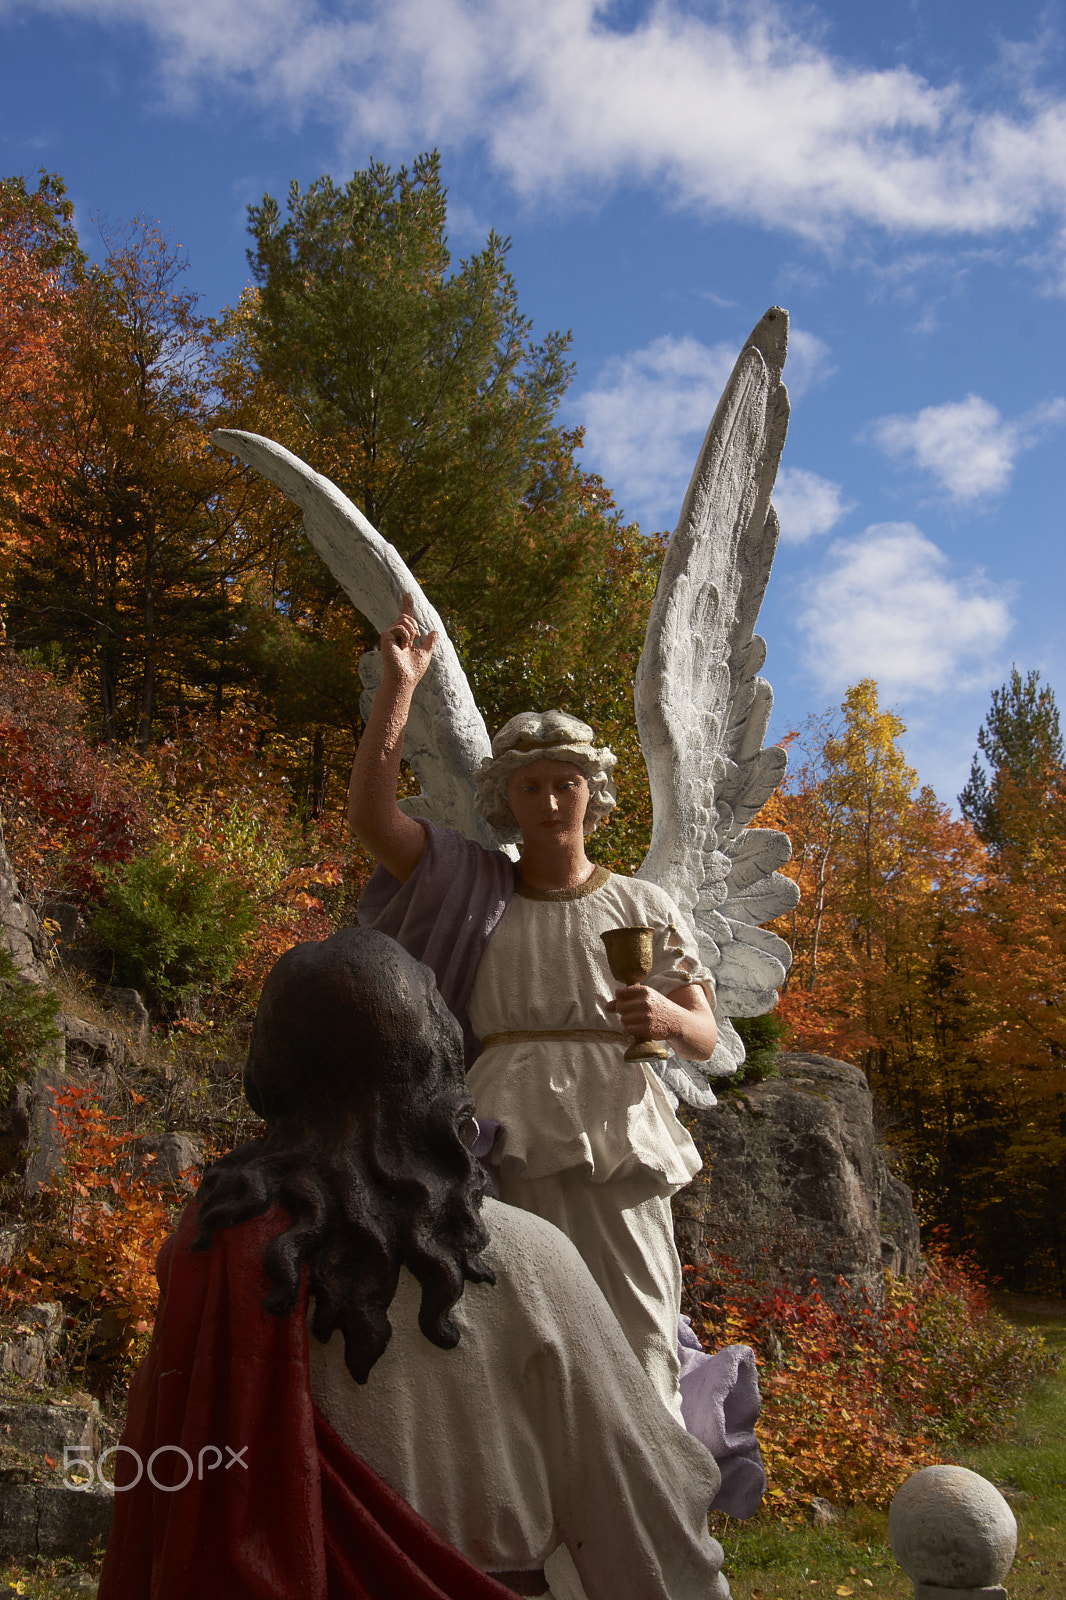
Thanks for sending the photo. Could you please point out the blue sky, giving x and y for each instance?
(895, 175)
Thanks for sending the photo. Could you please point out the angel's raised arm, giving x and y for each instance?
(392, 838)
(441, 732)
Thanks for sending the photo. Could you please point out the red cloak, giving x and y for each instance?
(244, 1492)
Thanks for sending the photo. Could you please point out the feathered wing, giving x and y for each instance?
(702, 709)
(446, 734)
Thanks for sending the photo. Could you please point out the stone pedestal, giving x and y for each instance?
(933, 1591)
(953, 1534)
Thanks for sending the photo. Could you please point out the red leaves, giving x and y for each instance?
(855, 1398)
(68, 808)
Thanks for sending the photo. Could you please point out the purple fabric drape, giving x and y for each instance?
(445, 913)
(720, 1403)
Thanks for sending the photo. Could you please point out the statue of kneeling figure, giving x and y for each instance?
(369, 1379)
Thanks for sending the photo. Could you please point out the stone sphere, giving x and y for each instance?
(950, 1527)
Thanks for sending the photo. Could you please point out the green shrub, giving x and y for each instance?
(762, 1039)
(27, 1024)
(173, 923)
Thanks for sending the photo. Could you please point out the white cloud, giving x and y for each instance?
(465, 226)
(885, 606)
(807, 505)
(737, 111)
(645, 420)
(809, 361)
(647, 412)
(966, 445)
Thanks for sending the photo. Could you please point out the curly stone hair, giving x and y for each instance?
(356, 1064)
(543, 736)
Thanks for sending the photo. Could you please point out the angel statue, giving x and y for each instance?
(588, 1140)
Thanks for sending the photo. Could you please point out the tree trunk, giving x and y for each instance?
(107, 703)
(318, 774)
(144, 721)
(108, 709)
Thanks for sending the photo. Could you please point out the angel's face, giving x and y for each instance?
(548, 799)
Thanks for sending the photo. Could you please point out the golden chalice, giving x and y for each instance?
(630, 955)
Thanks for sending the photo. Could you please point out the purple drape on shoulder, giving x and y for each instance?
(445, 913)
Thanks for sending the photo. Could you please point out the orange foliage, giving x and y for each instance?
(939, 967)
(1010, 1147)
(856, 1398)
(885, 875)
(39, 277)
(1015, 945)
(96, 1242)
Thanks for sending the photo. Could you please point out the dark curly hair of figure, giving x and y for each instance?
(356, 1065)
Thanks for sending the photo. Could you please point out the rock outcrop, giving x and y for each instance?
(795, 1186)
(44, 1519)
(20, 930)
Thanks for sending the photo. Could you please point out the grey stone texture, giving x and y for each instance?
(33, 1105)
(43, 1519)
(20, 929)
(822, 1513)
(933, 1591)
(901, 1242)
(94, 1050)
(37, 1431)
(952, 1532)
(50, 1519)
(13, 1239)
(34, 1343)
(794, 1184)
(176, 1152)
(131, 1007)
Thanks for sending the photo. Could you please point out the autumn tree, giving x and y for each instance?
(133, 565)
(1009, 1158)
(885, 874)
(41, 272)
(1020, 742)
(939, 965)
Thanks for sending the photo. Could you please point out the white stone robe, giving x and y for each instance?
(599, 1129)
(538, 1431)
(589, 1140)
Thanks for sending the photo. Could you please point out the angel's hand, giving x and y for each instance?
(405, 656)
(684, 1018)
(644, 1012)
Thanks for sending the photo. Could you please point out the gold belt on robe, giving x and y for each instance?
(583, 1035)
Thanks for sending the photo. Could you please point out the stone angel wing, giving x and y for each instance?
(446, 734)
(702, 709)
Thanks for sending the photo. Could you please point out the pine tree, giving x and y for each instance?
(420, 390)
(1019, 739)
